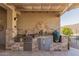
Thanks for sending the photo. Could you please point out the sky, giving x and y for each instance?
(70, 17)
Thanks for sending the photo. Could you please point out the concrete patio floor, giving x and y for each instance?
(71, 52)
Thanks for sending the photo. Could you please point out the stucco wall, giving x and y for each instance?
(28, 20)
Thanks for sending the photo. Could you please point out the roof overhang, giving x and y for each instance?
(52, 7)
(59, 7)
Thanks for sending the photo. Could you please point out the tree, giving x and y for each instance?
(68, 32)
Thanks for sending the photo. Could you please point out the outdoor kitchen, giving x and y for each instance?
(34, 30)
(39, 37)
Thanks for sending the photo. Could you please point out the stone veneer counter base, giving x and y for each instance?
(62, 46)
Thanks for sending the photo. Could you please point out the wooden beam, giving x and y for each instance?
(67, 7)
(4, 5)
(37, 10)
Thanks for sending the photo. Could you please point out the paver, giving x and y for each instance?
(71, 52)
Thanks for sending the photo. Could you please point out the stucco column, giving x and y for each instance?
(58, 25)
(11, 30)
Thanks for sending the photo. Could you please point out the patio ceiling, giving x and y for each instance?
(58, 8)
(40, 6)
